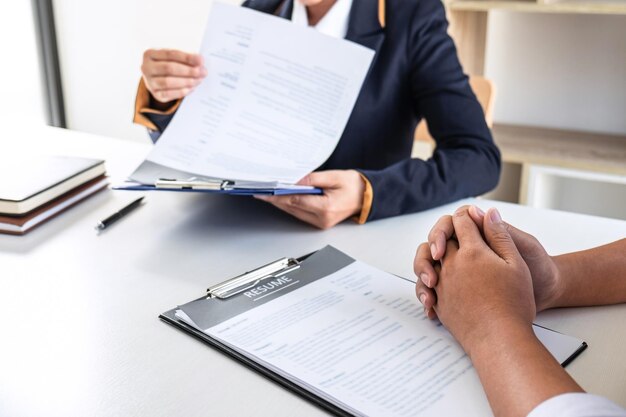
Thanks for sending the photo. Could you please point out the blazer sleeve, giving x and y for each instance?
(465, 162)
(154, 120)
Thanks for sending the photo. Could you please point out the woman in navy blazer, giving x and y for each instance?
(415, 74)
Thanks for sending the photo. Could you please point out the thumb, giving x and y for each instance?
(498, 237)
(320, 179)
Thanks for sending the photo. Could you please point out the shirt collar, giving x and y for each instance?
(334, 23)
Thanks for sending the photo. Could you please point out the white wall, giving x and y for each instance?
(101, 45)
(21, 95)
(561, 71)
(566, 71)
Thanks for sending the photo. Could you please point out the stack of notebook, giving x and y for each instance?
(35, 190)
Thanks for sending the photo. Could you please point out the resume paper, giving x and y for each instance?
(274, 104)
(354, 336)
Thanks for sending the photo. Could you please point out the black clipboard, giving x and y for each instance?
(170, 318)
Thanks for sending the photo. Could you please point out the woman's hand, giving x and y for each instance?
(342, 198)
(170, 74)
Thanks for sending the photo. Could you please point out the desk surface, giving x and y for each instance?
(81, 334)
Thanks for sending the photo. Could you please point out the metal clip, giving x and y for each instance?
(192, 183)
(250, 279)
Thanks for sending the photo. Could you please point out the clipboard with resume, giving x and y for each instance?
(272, 109)
(344, 335)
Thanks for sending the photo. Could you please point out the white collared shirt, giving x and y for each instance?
(577, 404)
(334, 23)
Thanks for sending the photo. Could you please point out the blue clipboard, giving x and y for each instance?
(132, 186)
(150, 176)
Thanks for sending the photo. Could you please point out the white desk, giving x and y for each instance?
(80, 334)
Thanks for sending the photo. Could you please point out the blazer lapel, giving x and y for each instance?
(285, 9)
(364, 27)
(281, 8)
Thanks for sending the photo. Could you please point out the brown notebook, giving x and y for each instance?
(18, 225)
(27, 183)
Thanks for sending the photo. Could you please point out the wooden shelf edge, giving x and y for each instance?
(533, 7)
(561, 148)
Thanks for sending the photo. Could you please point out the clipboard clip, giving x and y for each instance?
(252, 278)
(192, 183)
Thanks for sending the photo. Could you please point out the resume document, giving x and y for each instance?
(274, 104)
(355, 337)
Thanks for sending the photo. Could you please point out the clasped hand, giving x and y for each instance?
(476, 271)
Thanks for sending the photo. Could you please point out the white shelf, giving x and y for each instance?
(578, 191)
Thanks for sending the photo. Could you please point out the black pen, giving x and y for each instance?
(118, 214)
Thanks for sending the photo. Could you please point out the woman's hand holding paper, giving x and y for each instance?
(342, 198)
(170, 74)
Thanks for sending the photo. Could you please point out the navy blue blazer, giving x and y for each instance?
(415, 74)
